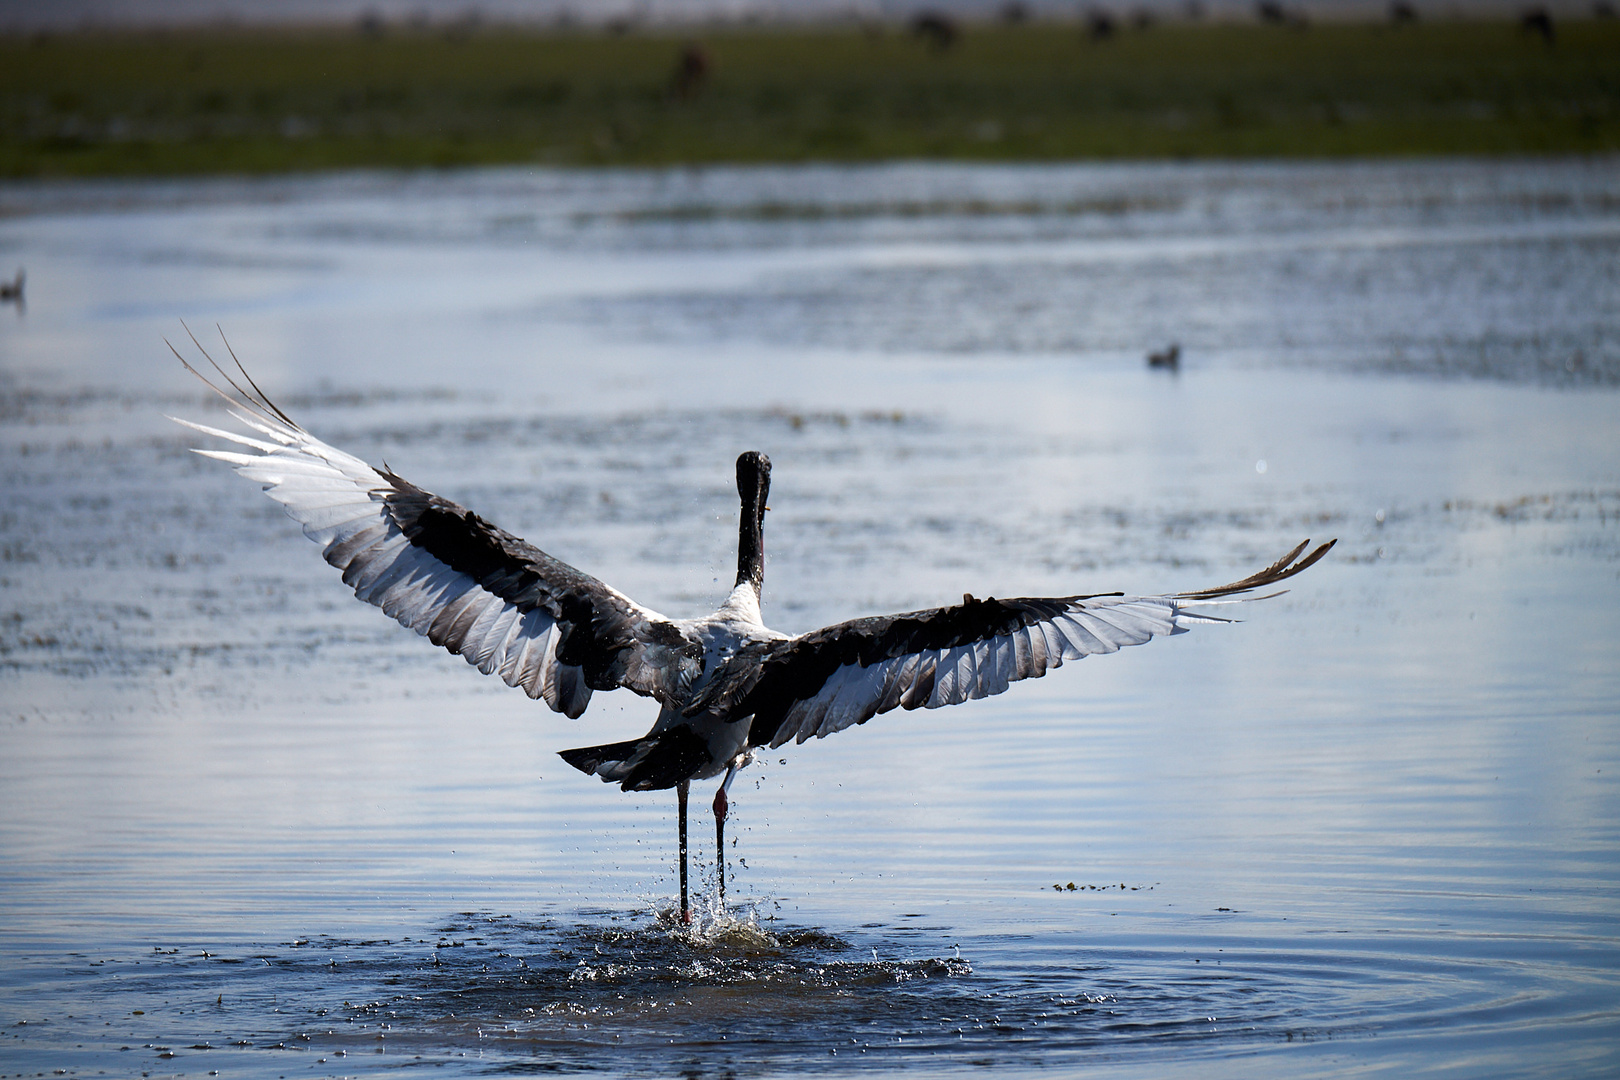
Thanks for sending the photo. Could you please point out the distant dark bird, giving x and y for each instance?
(1014, 13)
(1602, 9)
(691, 71)
(1402, 13)
(463, 26)
(1272, 12)
(371, 25)
(727, 685)
(1538, 21)
(935, 28)
(1170, 358)
(13, 290)
(1100, 24)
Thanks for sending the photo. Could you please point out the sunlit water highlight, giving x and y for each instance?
(248, 826)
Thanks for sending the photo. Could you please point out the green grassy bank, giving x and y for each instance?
(220, 101)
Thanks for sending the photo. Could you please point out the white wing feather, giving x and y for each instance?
(338, 499)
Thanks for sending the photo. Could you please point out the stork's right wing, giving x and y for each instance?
(504, 605)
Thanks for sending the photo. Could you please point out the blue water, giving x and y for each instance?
(248, 825)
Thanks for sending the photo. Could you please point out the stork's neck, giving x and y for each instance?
(742, 606)
(753, 487)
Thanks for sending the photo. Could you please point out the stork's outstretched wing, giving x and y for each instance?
(506, 606)
(830, 679)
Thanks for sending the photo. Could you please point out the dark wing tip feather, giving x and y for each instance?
(1281, 570)
(255, 400)
(261, 396)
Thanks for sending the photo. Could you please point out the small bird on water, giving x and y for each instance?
(12, 291)
(1170, 358)
(728, 685)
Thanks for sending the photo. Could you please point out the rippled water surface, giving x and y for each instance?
(250, 827)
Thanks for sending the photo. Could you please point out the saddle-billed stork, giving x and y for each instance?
(728, 685)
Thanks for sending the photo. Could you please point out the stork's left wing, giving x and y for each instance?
(504, 605)
(833, 678)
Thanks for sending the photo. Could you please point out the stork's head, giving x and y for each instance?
(753, 487)
(754, 479)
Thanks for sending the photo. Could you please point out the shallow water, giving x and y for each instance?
(248, 826)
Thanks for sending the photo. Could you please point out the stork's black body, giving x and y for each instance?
(727, 684)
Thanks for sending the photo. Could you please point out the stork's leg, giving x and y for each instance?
(721, 805)
(686, 908)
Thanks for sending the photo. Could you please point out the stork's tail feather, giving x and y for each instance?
(647, 764)
(591, 759)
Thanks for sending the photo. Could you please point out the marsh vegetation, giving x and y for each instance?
(201, 101)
